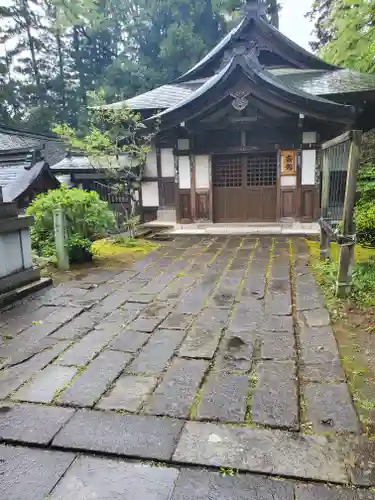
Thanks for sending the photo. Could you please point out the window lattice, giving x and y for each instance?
(228, 172)
(261, 170)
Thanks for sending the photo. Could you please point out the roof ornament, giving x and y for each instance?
(240, 101)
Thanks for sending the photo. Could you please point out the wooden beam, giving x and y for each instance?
(346, 136)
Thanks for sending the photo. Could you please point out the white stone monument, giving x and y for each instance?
(18, 275)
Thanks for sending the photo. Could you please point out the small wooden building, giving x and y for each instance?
(240, 131)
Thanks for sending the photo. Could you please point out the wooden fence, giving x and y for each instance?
(340, 162)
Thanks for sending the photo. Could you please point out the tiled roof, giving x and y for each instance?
(77, 161)
(72, 163)
(315, 82)
(161, 97)
(53, 150)
(17, 173)
(12, 141)
(329, 83)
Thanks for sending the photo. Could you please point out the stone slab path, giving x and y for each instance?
(211, 352)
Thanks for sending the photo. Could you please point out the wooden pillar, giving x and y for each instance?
(177, 188)
(278, 187)
(160, 185)
(192, 188)
(210, 191)
(346, 259)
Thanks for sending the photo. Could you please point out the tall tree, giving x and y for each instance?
(353, 35)
(320, 14)
(59, 50)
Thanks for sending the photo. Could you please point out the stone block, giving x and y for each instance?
(28, 423)
(128, 394)
(202, 484)
(274, 452)
(92, 477)
(175, 394)
(43, 387)
(132, 435)
(88, 386)
(329, 408)
(30, 474)
(155, 356)
(224, 397)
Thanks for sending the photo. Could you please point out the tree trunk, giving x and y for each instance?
(273, 10)
(78, 64)
(62, 73)
(34, 63)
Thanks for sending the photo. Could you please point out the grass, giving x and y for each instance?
(228, 471)
(109, 253)
(354, 325)
(363, 284)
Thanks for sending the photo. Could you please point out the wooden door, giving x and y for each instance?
(244, 187)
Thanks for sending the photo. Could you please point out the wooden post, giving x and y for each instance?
(60, 239)
(324, 238)
(346, 259)
(325, 250)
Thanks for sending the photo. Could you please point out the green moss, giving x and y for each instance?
(362, 254)
(121, 246)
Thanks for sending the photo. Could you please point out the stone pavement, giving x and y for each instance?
(210, 352)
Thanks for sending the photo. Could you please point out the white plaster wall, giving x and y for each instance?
(65, 179)
(184, 170)
(202, 172)
(308, 167)
(167, 163)
(150, 194)
(309, 137)
(10, 253)
(26, 248)
(151, 167)
(288, 181)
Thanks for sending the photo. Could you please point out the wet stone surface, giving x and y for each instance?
(190, 354)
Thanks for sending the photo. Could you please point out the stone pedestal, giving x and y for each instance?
(16, 265)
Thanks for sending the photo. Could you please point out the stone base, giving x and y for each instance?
(20, 278)
(23, 291)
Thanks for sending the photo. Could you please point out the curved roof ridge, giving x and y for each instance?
(264, 81)
(216, 50)
(252, 15)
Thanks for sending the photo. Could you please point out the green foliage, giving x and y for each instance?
(365, 219)
(227, 471)
(363, 284)
(63, 49)
(323, 31)
(79, 249)
(115, 140)
(351, 42)
(88, 218)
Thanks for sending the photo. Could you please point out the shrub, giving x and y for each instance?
(88, 218)
(365, 221)
(363, 283)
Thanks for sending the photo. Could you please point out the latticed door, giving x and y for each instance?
(245, 187)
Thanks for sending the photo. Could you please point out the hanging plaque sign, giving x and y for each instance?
(288, 163)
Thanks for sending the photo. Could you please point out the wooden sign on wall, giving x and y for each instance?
(288, 162)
